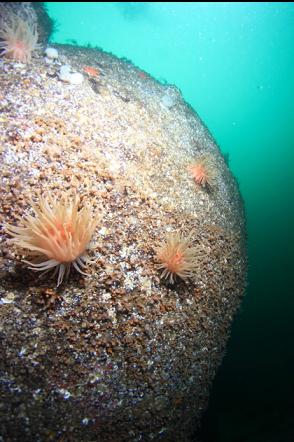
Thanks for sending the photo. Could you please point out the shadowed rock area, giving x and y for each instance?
(120, 354)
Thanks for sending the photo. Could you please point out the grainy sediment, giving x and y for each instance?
(118, 355)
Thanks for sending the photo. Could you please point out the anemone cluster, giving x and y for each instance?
(60, 232)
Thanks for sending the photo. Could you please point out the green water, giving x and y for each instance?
(234, 63)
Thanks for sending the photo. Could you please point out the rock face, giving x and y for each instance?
(119, 354)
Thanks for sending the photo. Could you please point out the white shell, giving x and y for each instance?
(51, 53)
(69, 77)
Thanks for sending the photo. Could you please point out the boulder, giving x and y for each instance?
(122, 353)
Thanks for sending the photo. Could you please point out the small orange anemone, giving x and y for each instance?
(176, 257)
(203, 171)
(93, 72)
(57, 236)
(142, 74)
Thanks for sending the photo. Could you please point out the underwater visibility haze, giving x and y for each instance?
(152, 266)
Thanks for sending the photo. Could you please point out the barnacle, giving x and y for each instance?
(57, 236)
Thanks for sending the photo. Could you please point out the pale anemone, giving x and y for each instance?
(176, 257)
(18, 38)
(57, 236)
(203, 171)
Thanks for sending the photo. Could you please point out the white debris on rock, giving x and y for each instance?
(51, 53)
(67, 76)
